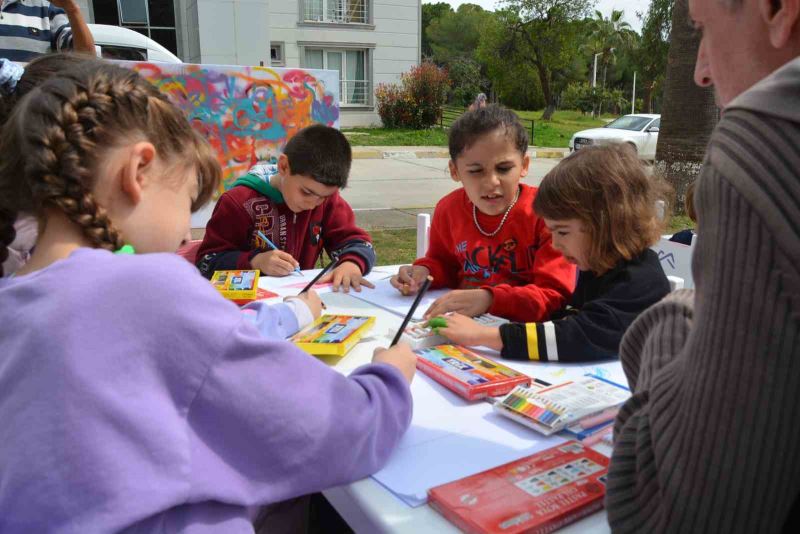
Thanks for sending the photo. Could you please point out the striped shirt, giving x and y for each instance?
(31, 28)
(710, 439)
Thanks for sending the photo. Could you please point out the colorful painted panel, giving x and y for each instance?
(247, 113)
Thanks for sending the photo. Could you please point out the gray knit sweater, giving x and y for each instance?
(710, 440)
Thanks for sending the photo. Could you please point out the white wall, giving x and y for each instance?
(232, 32)
(393, 38)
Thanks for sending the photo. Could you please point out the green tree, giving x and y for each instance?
(544, 35)
(431, 12)
(650, 56)
(456, 34)
(690, 112)
(513, 79)
(607, 37)
(465, 76)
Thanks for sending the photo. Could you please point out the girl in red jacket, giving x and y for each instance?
(486, 243)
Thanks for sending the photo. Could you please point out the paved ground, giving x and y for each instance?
(389, 189)
(388, 193)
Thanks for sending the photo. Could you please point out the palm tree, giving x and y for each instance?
(608, 35)
(689, 112)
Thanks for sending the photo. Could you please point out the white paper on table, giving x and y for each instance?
(389, 298)
(451, 438)
(294, 283)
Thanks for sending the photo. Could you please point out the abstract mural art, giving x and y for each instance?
(246, 113)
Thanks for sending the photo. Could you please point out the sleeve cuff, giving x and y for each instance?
(301, 312)
(358, 260)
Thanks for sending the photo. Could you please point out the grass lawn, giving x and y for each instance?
(400, 246)
(398, 137)
(555, 133)
(395, 246)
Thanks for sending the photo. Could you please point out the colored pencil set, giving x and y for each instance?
(521, 402)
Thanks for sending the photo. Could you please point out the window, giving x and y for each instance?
(276, 54)
(629, 122)
(152, 18)
(354, 84)
(337, 11)
(126, 53)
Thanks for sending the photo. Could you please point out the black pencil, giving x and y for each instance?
(320, 275)
(410, 313)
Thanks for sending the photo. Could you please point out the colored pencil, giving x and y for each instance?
(273, 246)
(320, 275)
(425, 285)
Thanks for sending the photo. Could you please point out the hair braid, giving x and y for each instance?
(57, 139)
(64, 179)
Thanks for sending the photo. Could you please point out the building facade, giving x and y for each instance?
(368, 41)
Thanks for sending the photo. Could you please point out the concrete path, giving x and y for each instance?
(388, 193)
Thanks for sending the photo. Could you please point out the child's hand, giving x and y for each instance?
(462, 330)
(400, 356)
(469, 302)
(346, 275)
(312, 300)
(409, 278)
(274, 263)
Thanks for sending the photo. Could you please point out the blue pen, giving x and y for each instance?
(272, 245)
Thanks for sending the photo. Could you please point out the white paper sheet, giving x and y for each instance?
(387, 297)
(451, 438)
(293, 283)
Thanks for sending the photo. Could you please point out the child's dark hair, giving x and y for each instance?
(55, 138)
(478, 122)
(321, 152)
(608, 189)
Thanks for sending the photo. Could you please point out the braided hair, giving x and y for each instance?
(56, 138)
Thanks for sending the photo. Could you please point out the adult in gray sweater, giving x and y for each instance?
(710, 440)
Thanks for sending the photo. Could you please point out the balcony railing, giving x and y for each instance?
(339, 11)
(354, 92)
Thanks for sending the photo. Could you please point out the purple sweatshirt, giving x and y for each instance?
(133, 396)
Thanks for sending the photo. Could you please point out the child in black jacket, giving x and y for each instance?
(600, 206)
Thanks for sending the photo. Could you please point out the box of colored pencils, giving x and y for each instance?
(236, 284)
(468, 374)
(333, 334)
(533, 495)
(552, 409)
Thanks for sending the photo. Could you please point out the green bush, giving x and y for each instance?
(417, 102)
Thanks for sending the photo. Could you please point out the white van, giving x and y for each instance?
(116, 42)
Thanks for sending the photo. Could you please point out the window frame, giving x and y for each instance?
(367, 24)
(343, 103)
(281, 61)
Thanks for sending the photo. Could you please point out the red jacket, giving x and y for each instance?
(231, 241)
(527, 277)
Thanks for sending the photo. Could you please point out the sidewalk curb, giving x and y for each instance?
(360, 152)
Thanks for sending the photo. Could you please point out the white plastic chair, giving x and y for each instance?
(423, 233)
(676, 260)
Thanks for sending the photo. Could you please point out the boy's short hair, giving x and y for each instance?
(321, 152)
(478, 122)
(608, 189)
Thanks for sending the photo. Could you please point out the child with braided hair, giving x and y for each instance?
(133, 397)
(20, 82)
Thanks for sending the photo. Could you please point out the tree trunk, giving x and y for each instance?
(689, 112)
(547, 92)
(647, 97)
